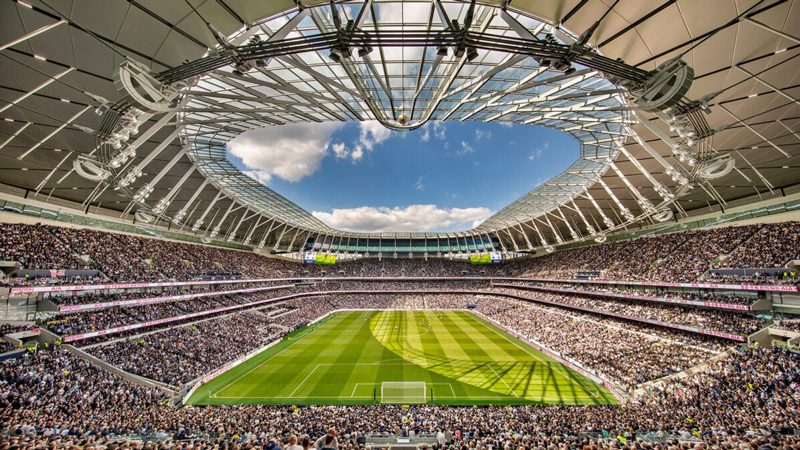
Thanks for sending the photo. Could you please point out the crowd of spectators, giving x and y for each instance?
(624, 355)
(111, 256)
(93, 297)
(740, 298)
(689, 261)
(703, 318)
(181, 354)
(641, 255)
(746, 400)
(34, 247)
(789, 325)
(675, 257)
(682, 256)
(771, 246)
(101, 319)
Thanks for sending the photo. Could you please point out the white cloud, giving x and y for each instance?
(480, 134)
(537, 152)
(357, 153)
(437, 127)
(506, 124)
(419, 185)
(291, 152)
(410, 218)
(372, 133)
(426, 135)
(339, 150)
(258, 175)
(465, 149)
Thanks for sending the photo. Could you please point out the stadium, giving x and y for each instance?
(408, 224)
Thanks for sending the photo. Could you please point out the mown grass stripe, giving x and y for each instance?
(327, 365)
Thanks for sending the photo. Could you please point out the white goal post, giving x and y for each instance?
(403, 392)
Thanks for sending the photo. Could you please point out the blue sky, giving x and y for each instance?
(362, 177)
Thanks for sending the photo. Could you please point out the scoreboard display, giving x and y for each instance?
(486, 258)
(318, 258)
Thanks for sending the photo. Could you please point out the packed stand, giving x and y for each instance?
(773, 245)
(746, 400)
(627, 356)
(788, 325)
(93, 320)
(706, 319)
(34, 247)
(181, 354)
(742, 298)
(689, 261)
(112, 257)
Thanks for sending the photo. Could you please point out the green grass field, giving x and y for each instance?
(462, 358)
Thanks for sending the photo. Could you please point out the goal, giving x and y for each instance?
(403, 392)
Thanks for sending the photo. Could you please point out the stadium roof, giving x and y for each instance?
(234, 65)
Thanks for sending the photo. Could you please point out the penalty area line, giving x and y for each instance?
(501, 379)
(261, 364)
(304, 380)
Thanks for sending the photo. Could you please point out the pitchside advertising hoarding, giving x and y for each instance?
(486, 258)
(318, 258)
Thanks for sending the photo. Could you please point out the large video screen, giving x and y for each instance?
(318, 258)
(486, 258)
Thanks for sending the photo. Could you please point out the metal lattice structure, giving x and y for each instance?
(230, 68)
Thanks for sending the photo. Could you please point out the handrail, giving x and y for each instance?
(677, 301)
(120, 329)
(122, 286)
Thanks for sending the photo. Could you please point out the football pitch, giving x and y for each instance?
(365, 357)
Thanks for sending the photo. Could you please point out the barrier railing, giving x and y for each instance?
(166, 298)
(677, 301)
(122, 286)
(120, 329)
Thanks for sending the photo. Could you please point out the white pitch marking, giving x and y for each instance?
(501, 379)
(262, 363)
(304, 380)
(558, 366)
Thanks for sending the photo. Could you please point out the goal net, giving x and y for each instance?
(403, 392)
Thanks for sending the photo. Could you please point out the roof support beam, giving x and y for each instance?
(662, 190)
(180, 214)
(16, 133)
(162, 204)
(148, 187)
(761, 80)
(644, 203)
(199, 222)
(754, 131)
(768, 28)
(297, 232)
(33, 33)
(589, 228)
(609, 223)
(626, 213)
(36, 89)
(52, 172)
(215, 231)
(54, 132)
